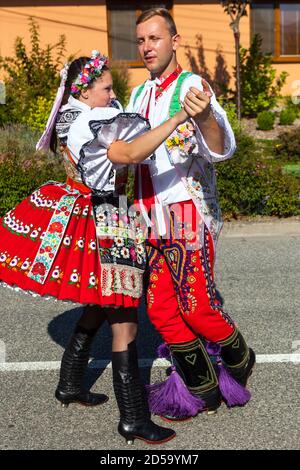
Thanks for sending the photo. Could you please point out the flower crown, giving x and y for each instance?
(92, 69)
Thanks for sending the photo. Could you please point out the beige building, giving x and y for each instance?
(109, 26)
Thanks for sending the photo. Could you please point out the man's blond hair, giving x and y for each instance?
(164, 13)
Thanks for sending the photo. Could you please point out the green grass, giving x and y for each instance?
(293, 168)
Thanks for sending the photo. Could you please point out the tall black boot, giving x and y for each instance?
(194, 365)
(73, 367)
(238, 359)
(135, 422)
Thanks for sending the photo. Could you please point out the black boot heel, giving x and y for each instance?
(73, 367)
(129, 438)
(64, 405)
(135, 422)
(82, 398)
(146, 431)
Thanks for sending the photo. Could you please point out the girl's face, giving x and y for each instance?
(100, 93)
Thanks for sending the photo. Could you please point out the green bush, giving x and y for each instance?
(38, 113)
(295, 106)
(22, 169)
(121, 86)
(259, 92)
(287, 116)
(294, 169)
(230, 109)
(288, 147)
(247, 186)
(30, 75)
(265, 120)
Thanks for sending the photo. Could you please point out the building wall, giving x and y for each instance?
(85, 28)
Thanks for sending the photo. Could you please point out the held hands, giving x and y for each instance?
(197, 103)
(181, 116)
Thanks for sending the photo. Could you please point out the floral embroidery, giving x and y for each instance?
(118, 236)
(156, 263)
(37, 199)
(38, 269)
(209, 280)
(3, 257)
(75, 278)
(182, 138)
(125, 252)
(85, 211)
(67, 241)
(57, 275)
(18, 228)
(14, 262)
(76, 211)
(182, 144)
(52, 239)
(35, 233)
(25, 265)
(79, 245)
(93, 281)
(121, 248)
(92, 246)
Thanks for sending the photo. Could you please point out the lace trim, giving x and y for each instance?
(95, 125)
(15, 288)
(121, 280)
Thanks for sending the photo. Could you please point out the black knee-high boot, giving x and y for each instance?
(193, 364)
(135, 422)
(73, 367)
(237, 357)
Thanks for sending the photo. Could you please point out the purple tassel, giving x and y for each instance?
(213, 349)
(172, 398)
(163, 351)
(233, 392)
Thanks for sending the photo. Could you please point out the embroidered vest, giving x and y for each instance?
(207, 207)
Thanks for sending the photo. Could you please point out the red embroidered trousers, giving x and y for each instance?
(181, 296)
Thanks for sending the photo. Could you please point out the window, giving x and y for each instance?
(279, 25)
(121, 18)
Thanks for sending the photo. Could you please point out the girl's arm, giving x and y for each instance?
(141, 147)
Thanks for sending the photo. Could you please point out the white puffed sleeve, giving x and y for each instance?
(221, 118)
(97, 171)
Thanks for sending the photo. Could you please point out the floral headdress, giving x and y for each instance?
(92, 69)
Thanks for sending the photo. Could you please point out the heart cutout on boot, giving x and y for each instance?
(191, 358)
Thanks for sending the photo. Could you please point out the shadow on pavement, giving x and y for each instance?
(60, 329)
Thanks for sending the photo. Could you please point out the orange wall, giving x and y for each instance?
(209, 21)
(213, 25)
(85, 28)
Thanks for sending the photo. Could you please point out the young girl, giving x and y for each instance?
(72, 241)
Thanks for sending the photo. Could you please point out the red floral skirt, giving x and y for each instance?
(48, 246)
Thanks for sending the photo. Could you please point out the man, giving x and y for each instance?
(180, 186)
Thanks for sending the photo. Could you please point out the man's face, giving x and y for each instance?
(156, 45)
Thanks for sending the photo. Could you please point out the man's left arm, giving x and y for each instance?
(214, 134)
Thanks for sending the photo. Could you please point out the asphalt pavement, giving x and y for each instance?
(257, 273)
